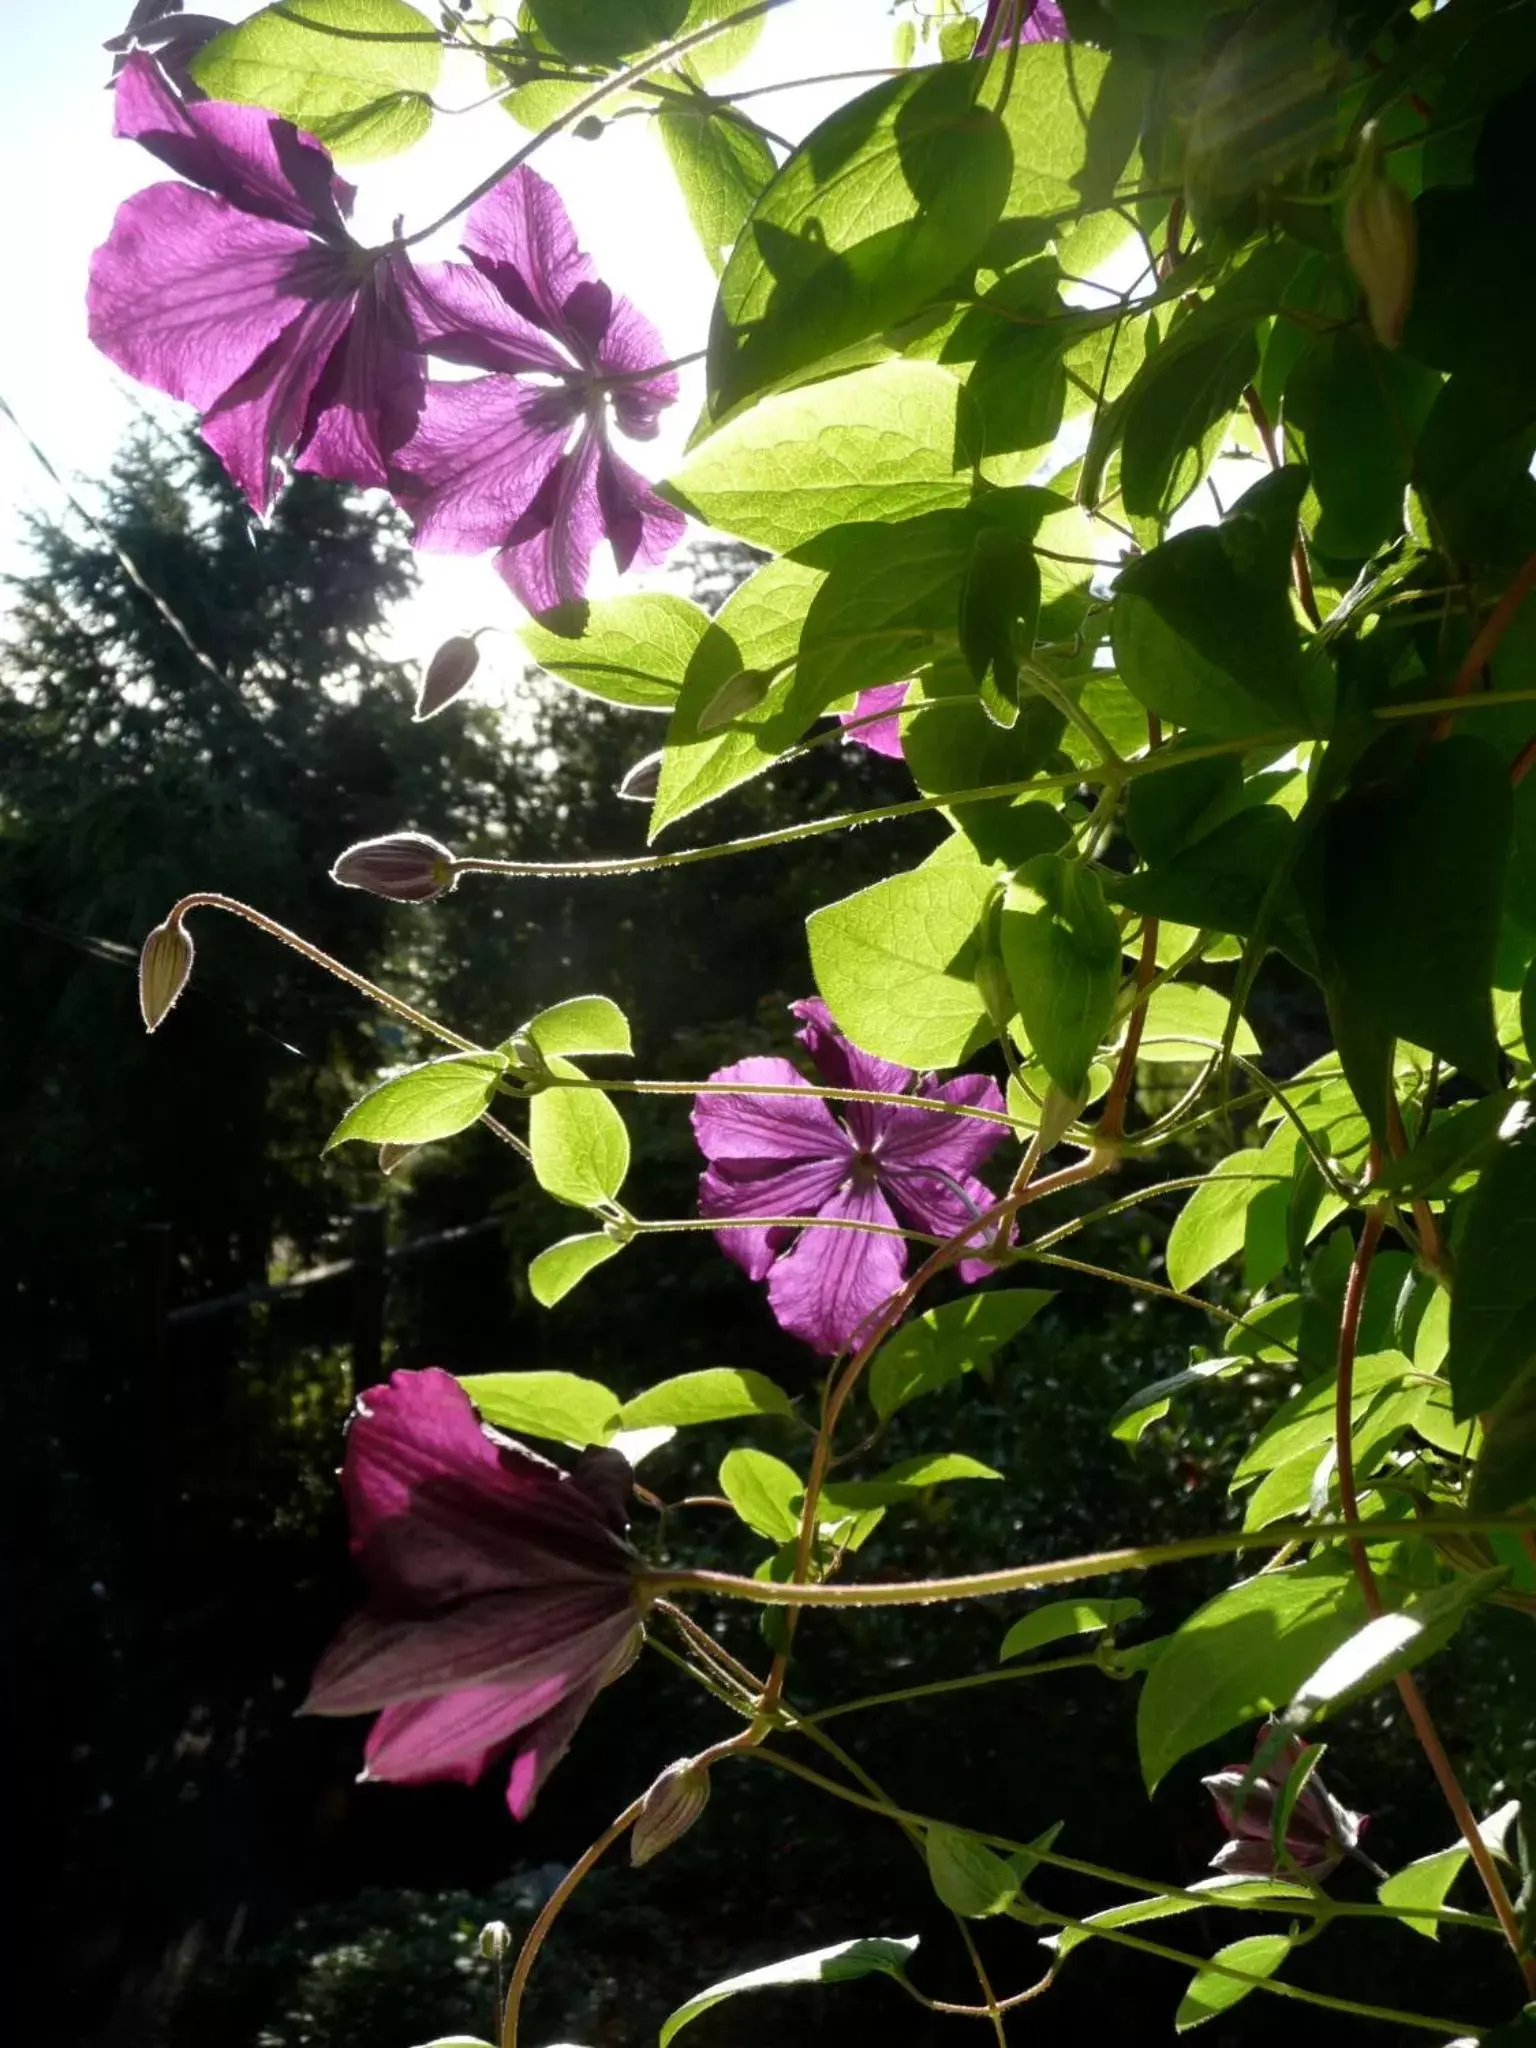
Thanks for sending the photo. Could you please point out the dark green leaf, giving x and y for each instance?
(1061, 947)
(602, 31)
(971, 1879)
(1504, 1477)
(999, 612)
(941, 1345)
(1358, 407)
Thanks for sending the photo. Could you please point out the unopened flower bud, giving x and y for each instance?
(448, 674)
(164, 966)
(737, 694)
(641, 782)
(495, 1940)
(407, 867)
(1381, 242)
(671, 1807)
(1319, 1833)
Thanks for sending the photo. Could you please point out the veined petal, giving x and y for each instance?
(641, 528)
(632, 343)
(548, 555)
(244, 154)
(187, 291)
(565, 1631)
(929, 1203)
(521, 237)
(454, 1737)
(800, 1190)
(458, 314)
(369, 397)
(959, 1144)
(480, 455)
(842, 1065)
(544, 1742)
(261, 418)
(826, 1288)
(883, 736)
(765, 1132)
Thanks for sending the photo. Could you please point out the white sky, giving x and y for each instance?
(64, 176)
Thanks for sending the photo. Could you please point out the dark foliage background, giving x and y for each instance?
(199, 1867)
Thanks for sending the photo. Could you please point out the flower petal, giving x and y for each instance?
(520, 236)
(630, 344)
(802, 1190)
(548, 557)
(243, 154)
(261, 418)
(761, 1132)
(187, 292)
(883, 737)
(456, 1736)
(958, 1144)
(641, 528)
(458, 314)
(929, 1203)
(544, 1743)
(842, 1065)
(369, 395)
(479, 456)
(829, 1285)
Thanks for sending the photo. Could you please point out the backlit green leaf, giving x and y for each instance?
(1063, 1618)
(580, 1146)
(553, 1272)
(427, 1102)
(717, 1394)
(971, 1879)
(764, 1491)
(944, 1343)
(1212, 1992)
(721, 162)
(840, 1964)
(559, 1405)
(629, 650)
(1061, 947)
(580, 1025)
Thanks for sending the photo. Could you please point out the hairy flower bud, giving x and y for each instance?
(164, 966)
(737, 694)
(495, 1940)
(448, 675)
(1381, 242)
(407, 867)
(671, 1807)
(641, 782)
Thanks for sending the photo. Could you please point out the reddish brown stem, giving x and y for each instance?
(1523, 763)
(1407, 1687)
(1424, 1217)
(1301, 568)
(1486, 644)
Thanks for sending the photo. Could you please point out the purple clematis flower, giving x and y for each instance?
(1043, 22)
(1318, 1835)
(248, 298)
(884, 735)
(875, 1163)
(502, 1593)
(523, 466)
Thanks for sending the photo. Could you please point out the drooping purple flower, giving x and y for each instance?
(1043, 22)
(520, 459)
(883, 736)
(872, 1163)
(1318, 1835)
(174, 37)
(248, 298)
(502, 1593)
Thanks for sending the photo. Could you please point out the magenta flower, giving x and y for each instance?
(1318, 1835)
(248, 298)
(523, 466)
(884, 735)
(872, 1163)
(502, 1593)
(1043, 22)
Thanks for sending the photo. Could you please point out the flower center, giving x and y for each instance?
(864, 1170)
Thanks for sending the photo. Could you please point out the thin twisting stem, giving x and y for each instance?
(1486, 644)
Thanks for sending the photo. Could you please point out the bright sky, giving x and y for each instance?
(64, 177)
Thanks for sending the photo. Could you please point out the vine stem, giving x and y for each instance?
(1301, 568)
(1414, 1704)
(1061, 1571)
(619, 82)
(205, 899)
(1486, 644)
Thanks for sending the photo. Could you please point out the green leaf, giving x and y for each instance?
(427, 1102)
(840, 1964)
(1422, 1884)
(896, 962)
(1304, 1425)
(946, 1342)
(884, 443)
(884, 204)
(971, 1879)
(1420, 852)
(1243, 1654)
(1168, 811)
(1210, 1993)
(999, 614)
(1358, 407)
(1213, 1223)
(553, 1272)
(757, 630)
(1149, 1404)
(1207, 1891)
(579, 1143)
(1049, 118)
(1454, 1144)
(764, 1491)
(627, 650)
(1176, 414)
(580, 1025)
(1187, 1022)
(559, 1405)
(721, 163)
(603, 31)
(1221, 651)
(1504, 1476)
(905, 1481)
(360, 97)
(1389, 1644)
(1493, 1306)
(1061, 947)
(1064, 1618)
(716, 1395)
(1221, 882)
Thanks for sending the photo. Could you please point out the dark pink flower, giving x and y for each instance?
(519, 459)
(1042, 22)
(1318, 1835)
(789, 1155)
(883, 736)
(502, 1594)
(249, 299)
